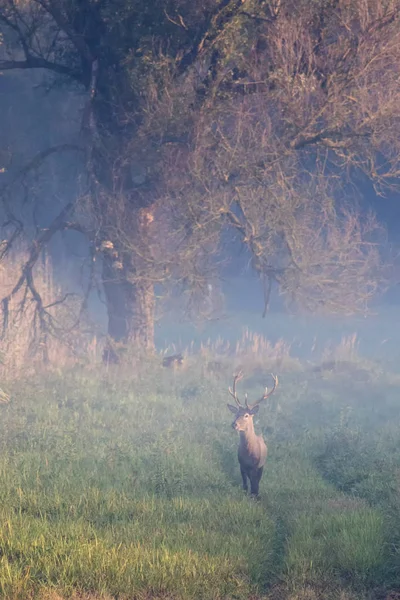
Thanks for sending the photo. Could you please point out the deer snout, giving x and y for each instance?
(235, 425)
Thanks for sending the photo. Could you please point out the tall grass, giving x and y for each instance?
(121, 487)
(123, 482)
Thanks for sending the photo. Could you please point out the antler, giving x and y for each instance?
(266, 393)
(232, 390)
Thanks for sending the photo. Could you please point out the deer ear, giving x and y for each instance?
(232, 408)
(254, 410)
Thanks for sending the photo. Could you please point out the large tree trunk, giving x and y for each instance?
(130, 311)
(125, 219)
(141, 327)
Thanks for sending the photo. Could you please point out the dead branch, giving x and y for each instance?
(37, 161)
(26, 276)
(37, 62)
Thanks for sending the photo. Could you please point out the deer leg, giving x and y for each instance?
(244, 478)
(255, 481)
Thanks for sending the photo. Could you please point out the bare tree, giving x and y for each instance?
(319, 90)
(230, 114)
(94, 49)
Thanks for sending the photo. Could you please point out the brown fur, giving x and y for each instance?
(252, 451)
(173, 360)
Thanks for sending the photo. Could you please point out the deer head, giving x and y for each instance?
(245, 413)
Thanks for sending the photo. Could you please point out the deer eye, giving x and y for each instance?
(246, 416)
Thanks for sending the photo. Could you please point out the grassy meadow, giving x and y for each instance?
(125, 484)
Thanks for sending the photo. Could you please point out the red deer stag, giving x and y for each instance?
(252, 451)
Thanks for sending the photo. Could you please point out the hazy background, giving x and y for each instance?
(33, 117)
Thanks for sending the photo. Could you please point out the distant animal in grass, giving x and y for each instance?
(252, 451)
(175, 360)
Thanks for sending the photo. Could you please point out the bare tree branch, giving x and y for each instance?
(37, 62)
(37, 161)
(26, 276)
(53, 8)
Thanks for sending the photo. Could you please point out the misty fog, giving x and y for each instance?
(34, 116)
(194, 195)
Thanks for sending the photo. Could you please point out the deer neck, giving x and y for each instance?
(248, 438)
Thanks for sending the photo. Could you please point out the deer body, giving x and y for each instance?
(252, 451)
(252, 454)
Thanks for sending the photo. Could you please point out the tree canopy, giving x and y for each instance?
(259, 116)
